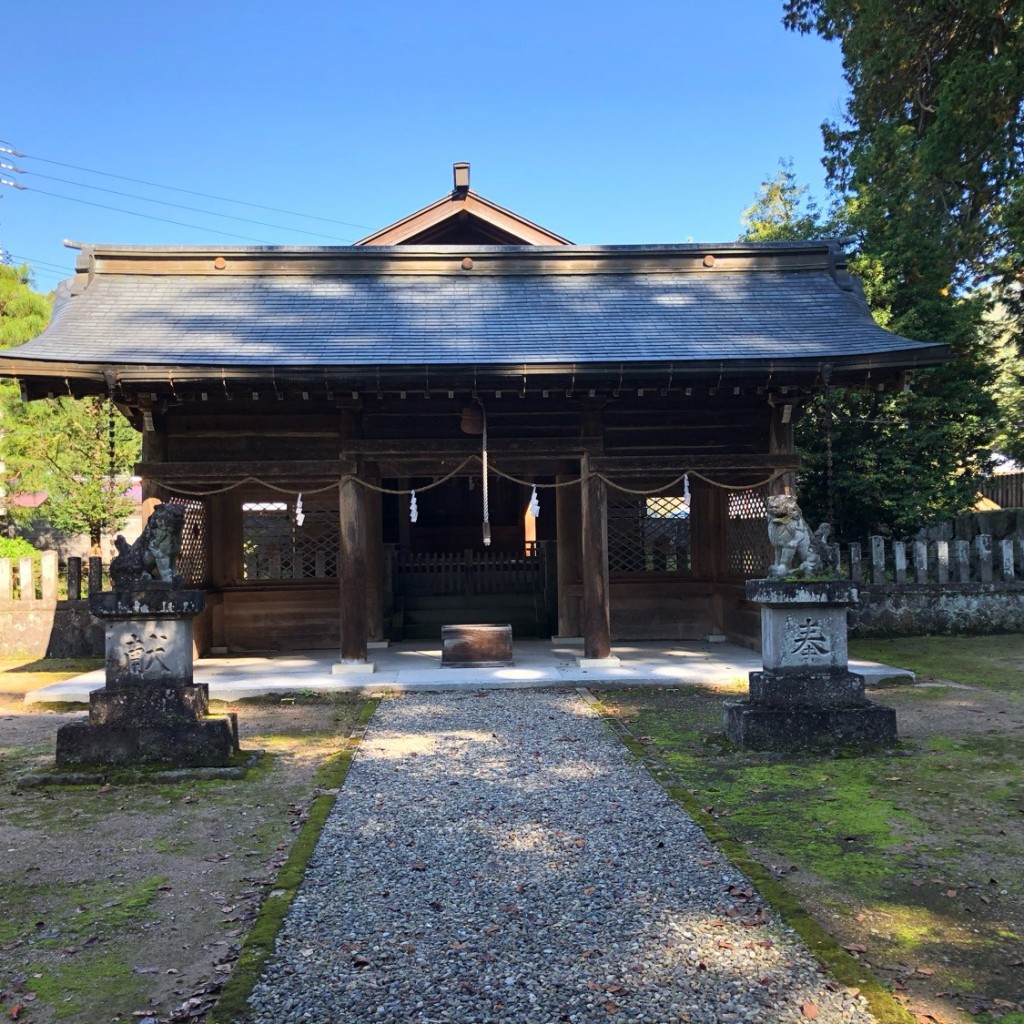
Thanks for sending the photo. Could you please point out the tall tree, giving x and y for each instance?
(61, 447)
(927, 165)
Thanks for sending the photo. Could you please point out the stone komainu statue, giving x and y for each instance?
(795, 549)
(153, 558)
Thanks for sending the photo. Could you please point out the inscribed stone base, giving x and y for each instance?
(823, 689)
(790, 729)
(203, 743)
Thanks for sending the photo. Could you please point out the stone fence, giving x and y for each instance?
(943, 586)
(35, 621)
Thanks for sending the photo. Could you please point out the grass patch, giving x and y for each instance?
(995, 663)
(77, 984)
(259, 943)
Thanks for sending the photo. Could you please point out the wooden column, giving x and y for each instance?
(154, 449)
(374, 559)
(780, 442)
(568, 514)
(594, 538)
(352, 571)
(715, 561)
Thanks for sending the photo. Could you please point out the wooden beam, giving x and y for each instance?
(666, 465)
(567, 552)
(352, 571)
(432, 448)
(229, 472)
(594, 542)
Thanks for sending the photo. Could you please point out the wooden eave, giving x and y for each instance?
(41, 378)
(513, 229)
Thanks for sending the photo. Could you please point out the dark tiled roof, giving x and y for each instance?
(364, 319)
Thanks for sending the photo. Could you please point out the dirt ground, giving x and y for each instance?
(129, 902)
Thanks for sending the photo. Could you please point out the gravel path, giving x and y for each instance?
(500, 857)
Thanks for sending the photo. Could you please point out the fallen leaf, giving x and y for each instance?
(809, 1010)
(725, 944)
(15, 1011)
(855, 948)
(926, 971)
(950, 893)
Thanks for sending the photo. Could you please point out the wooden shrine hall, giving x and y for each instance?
(361, 435)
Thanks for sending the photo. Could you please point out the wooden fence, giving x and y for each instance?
(454, 573)
(1006, 490)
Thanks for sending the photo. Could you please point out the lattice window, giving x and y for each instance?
(648, 534)
(276, 547)
(750, 554)
(193, 565)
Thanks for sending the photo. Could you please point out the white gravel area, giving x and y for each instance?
(501, 857)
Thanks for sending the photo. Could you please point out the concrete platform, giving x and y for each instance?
(417, 666)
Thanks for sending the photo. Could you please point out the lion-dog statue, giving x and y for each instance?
(154, 556)
(796, 550)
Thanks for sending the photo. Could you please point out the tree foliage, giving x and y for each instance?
(60, 447)
(782, 211)
(925, 168)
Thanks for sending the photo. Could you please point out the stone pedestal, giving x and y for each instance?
(149, 711)
(805, 696)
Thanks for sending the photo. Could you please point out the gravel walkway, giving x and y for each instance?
(500, 857)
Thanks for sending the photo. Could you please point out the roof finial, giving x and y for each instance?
(460, 171)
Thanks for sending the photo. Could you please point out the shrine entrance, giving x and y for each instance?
(441, 571)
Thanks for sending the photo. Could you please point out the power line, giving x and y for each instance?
(40, 263)
(179, 206)
(147, 216)
(173, 188)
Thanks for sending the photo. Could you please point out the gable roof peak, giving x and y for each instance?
(463, 217)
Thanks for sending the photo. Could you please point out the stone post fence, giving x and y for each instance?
(918, 588)
(41, 618)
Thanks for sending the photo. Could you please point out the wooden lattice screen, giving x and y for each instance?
(750, 553)
(648, 534)
(193, 560)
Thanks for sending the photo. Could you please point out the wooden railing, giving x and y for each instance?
(455, 573)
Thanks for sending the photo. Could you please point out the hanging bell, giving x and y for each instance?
(472, 421)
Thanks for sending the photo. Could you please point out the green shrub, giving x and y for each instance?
(17, 547)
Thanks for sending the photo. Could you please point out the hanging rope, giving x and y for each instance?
(489, 468)
(111, 458)
(486, 482)
(826, 375)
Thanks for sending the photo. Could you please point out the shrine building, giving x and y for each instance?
(361, 435)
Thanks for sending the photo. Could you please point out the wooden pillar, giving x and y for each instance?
(594, 538)
(715, 561)
(781, 442)
(352, 571)
(154, 449)
(374, 559)
(568, 513)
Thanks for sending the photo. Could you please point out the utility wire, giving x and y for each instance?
(179, 206)
(39, 263)
(6, 148)
(147, 216)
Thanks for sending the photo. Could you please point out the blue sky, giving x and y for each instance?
(608, 123)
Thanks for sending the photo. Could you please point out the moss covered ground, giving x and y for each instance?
(909, 858)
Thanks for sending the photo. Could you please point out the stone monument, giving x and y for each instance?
(805, 695)
(150, 710)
